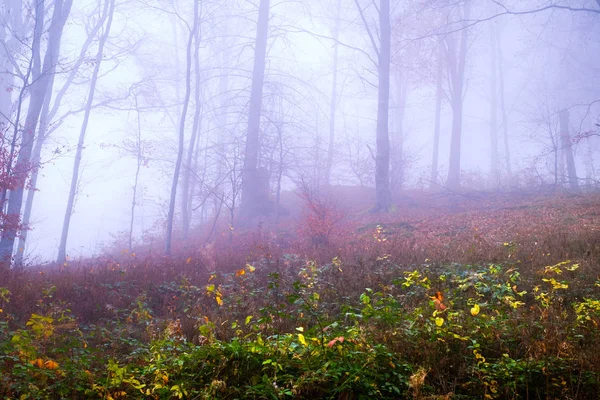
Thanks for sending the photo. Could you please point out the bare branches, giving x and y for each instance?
(364, 20)
(451, 27)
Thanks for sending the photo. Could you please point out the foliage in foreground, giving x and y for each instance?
(452, 331)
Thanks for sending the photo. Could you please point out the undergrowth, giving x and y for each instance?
(449, 308)
(445, 331)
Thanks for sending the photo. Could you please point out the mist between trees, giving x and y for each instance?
(157, 117)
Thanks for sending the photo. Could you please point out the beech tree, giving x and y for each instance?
(252, 198)
(382, 50)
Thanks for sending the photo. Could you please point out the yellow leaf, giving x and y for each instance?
(219, 300)
(240, 272)
(51, 364)
(38, 362)
(439, 321)
(572, 267)
(302, 340)
(189, 260)
(212, 276)
(250, 268)
(475, 310)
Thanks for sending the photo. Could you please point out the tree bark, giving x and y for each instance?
(382, 158)
(250, 179)
(186, 102)
(438, 115)
(187, 194)
(494, 165)
(334, 96)
(503, 110)
(107, 14)
(457, 76)
(567, 149)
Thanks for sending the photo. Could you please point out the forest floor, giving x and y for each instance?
(478, 295)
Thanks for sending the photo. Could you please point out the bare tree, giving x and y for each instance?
(567, 149)
(186, 102)
(186, 204)
(494, 163)
(456, 55)
(38, 92)
(107, 15)
(439, 93)
(334, 93)
(252, 198)
(48, 116)
(383, 200)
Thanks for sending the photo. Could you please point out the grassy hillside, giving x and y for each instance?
(488, 296)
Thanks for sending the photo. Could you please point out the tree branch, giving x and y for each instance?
(362, 17)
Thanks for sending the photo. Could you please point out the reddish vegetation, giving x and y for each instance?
(532, 231)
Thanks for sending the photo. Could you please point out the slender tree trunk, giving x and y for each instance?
(140, 160)
(250, 179)
(39, 91)
(457, 74)
(48, 113)
(382, 158)
(187, 195)
(567, 149)
(107, 15)
(279, 174)
(397, 139)
(494, 164)
(186, 102)
(334, 96)
(438, 115)
(503, 110)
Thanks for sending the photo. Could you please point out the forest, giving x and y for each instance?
(299, 199)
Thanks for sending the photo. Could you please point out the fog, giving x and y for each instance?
(185, 107)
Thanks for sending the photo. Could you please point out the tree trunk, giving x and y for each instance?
(494, 174)
(140, 160)
(251, 196)
(503, 110)
(186, 102)
(187, 195)
(47, 115)
(107, 15)
(334, 97)
(567, 149)
(438, 115)
(39, 91)
(457, 76)
(382, 158)
(397, 139)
